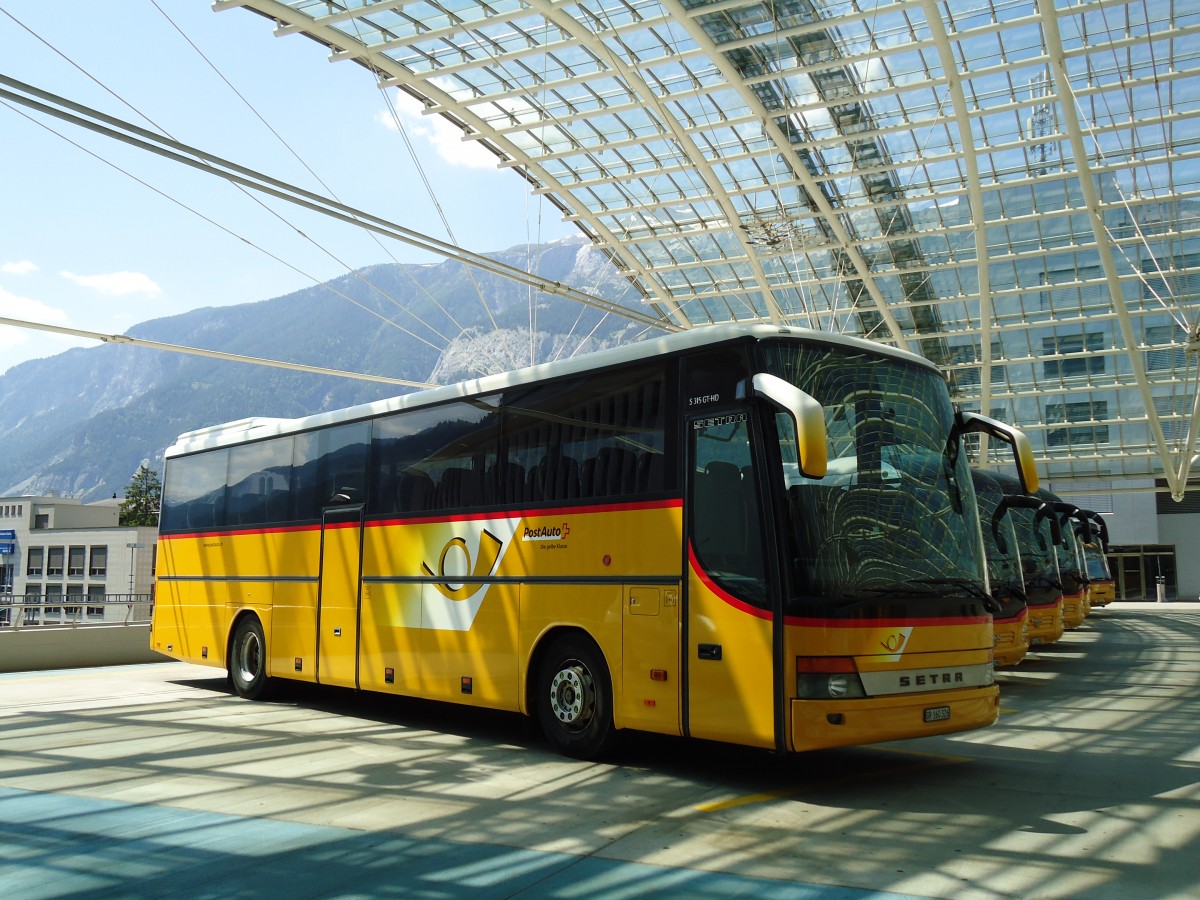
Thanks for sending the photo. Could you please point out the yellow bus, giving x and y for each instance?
(753, 534)
(1010, 615)
(1038, 535)
(1102, 587)
(1072, 571)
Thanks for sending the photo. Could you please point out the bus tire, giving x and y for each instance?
(574, 698)
(248, 659)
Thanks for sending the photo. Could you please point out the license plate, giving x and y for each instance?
(937, 714)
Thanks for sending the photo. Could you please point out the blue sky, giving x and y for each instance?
(83, 245)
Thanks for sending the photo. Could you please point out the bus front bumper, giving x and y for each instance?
(838, 723)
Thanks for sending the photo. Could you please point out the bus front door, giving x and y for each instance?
(338, 600)
(730, 625)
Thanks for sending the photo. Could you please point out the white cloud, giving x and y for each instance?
(24, 267)
(13, 306)
(18, 344)
(116, 284)
(445, 139)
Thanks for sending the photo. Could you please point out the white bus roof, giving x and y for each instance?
(256, 428)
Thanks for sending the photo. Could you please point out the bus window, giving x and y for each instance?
(330, 467)
(259, 477)
(194, 493)
(725, 527)
(596, 437)
(440, 457)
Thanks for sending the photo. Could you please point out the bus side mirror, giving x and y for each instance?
(809, 416)
(1014, 437)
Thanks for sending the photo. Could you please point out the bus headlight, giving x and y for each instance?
(827, 678)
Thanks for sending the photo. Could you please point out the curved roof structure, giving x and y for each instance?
(1011, 189)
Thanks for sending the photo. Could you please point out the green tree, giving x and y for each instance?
(142, 498)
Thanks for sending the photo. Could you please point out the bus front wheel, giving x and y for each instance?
(574, 698)
(248, 659)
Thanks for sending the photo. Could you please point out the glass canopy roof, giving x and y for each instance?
(1011, 189)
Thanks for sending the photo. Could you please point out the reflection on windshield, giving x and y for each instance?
(895, 515)
(1038, 559)
(1000, 546)
(1097, 565)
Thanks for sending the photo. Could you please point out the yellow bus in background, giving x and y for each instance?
(1102, 587)
(1072, 570)
(1010, 615)
(1038, 535)
(753, 534)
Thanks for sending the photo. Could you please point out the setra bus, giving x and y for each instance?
(752, 534)
(1072, 568)
(1038, 538)
(1102, 588)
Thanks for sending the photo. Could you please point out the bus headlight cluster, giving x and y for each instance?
(827, 678)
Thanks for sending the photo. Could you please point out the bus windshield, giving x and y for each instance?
(1000, 540)
(895, 517)
(1097, 565)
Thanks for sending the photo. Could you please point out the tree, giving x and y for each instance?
(142, 498)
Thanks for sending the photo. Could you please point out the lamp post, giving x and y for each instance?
(133, 548)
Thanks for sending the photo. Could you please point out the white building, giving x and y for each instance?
(62, 560)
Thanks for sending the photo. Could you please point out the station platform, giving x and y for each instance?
(153, 780)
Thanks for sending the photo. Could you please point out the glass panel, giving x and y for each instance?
(194, 492)
(259, 475)
(726, 531)
(441, 457)
(330, 467)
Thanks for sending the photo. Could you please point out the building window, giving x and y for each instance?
(74, 612)
(34, 562)
(1169, 351)
(42, 520)
(1085, 411)
(54, 594)
(75, 561)
(31, 611)
(98, 567)
(54, 566)
(1083, 362)
(95, 599)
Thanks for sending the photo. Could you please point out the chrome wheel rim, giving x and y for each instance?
(249, 657)
(572, 695)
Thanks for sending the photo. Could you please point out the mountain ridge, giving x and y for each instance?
(81, 422)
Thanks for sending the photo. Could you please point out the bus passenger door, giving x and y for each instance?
(729, 623)
(338, 600)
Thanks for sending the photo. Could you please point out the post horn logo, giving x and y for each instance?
(449, 585)
(895, 642)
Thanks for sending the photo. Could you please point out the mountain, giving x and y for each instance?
(80, 423)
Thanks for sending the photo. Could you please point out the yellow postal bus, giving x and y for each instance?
(1102, 588)
(1010, 615)
(760, 535)
(1038, 536)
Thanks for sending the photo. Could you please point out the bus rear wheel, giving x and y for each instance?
(574, 698)
(248, 659)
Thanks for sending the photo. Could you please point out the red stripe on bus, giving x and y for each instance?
(885, 623)
(280, 529)
(740, 605)
(632, 506)
(541, 513)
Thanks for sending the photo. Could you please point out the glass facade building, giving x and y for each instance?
(1011, 189)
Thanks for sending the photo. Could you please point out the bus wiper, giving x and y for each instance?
(989, 602)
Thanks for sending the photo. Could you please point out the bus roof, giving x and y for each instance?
(256, 428)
